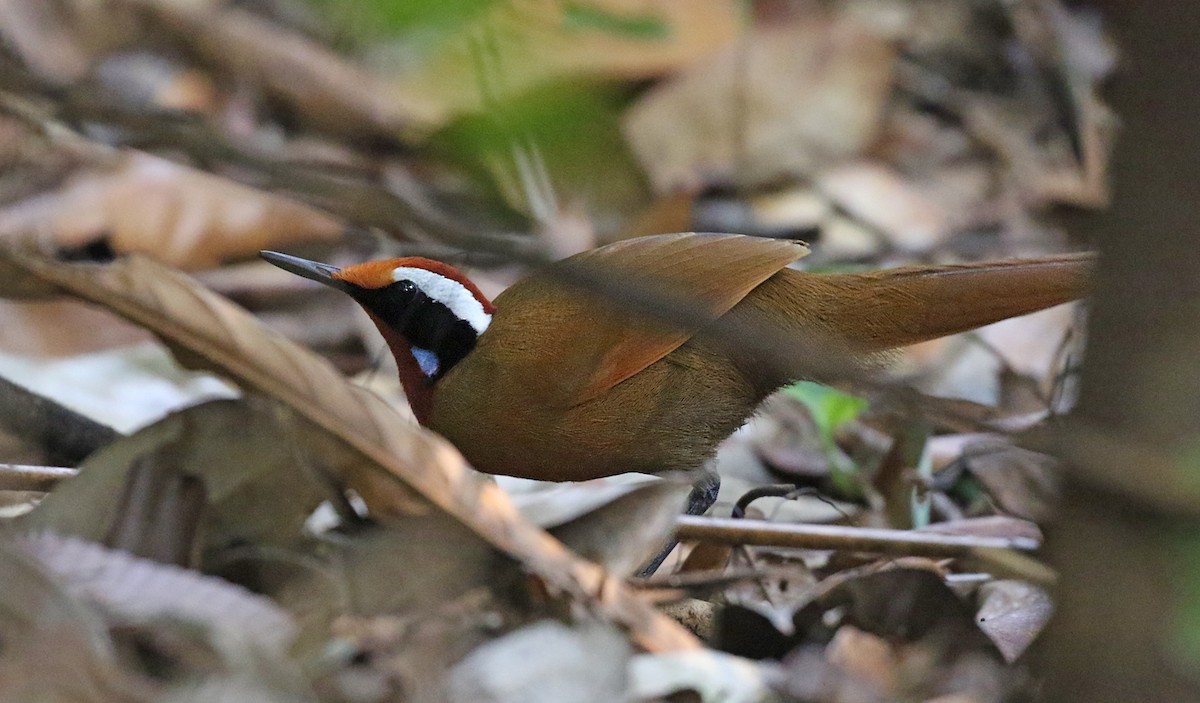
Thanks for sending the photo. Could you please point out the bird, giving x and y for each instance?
(552, 382)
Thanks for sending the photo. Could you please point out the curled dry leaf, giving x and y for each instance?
(397, 459)
(177, 214)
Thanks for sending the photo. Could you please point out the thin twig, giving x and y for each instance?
(837, 537)
(21, 477)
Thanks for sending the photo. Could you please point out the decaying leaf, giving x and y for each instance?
(242, 450)
(785, 101)
(1023, 483)
(1012, 614)
(413, 565)
(179, 215)
(394, 459)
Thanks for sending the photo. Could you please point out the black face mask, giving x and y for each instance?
(438, 337)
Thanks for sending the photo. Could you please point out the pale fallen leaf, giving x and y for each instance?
(546, 662)
(550, 503)
(127, 387)
(179, 215)
(84, 623)
(785, 101)
(1012, 614)
(391, 460)
(988, 526)
(880, 197)
(714, 675)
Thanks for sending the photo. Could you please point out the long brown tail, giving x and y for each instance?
(880, 310)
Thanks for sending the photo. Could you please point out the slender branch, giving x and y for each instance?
(837, 537)
(19, 477)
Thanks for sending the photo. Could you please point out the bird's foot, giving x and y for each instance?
(700, 499)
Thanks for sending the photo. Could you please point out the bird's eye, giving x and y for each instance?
(405, 286)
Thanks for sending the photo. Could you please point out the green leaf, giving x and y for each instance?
(581, 15)
(376, 19)
(1186, 619)
(830, 407)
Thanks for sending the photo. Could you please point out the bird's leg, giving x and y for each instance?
(700, 499)
(704, 493)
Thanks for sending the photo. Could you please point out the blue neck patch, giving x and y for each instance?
(427, 360)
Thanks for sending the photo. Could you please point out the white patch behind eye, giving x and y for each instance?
(448, 292)
(427, 360)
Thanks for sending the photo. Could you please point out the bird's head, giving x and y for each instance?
(430, 314)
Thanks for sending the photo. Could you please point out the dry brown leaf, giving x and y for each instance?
(1012, 614)
(1021, 482)
(62, 328)
(242, 450)
(179, 215)
(212, 332)
(785, 101)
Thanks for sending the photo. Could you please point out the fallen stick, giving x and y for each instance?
(843, 538)
(20, 477)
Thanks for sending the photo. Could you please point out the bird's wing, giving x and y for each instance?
(708, 273)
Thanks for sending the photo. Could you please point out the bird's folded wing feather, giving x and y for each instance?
(709, 272)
